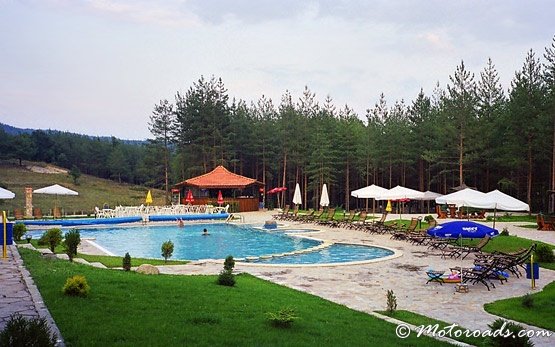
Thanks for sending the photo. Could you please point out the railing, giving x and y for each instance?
(132, 211)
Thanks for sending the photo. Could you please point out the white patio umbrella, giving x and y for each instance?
(55, 189)
(324, 198)
(297, 200)
(369, 192)
(428, 196)
(466, 197)
(6, 194)
(401, 193)
(504, 202)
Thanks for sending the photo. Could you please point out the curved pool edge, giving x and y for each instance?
(396, 254)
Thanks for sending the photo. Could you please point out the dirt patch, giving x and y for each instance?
(48, 169)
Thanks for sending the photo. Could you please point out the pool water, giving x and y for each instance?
(336, 253)
(190, 244)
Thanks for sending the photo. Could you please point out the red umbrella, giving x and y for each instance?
(276, 190)
(189, 199)
(220, 198)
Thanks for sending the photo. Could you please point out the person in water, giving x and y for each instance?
(180, 223)
(205, 232)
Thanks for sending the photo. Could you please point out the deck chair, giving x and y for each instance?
(348, 219)
(377, 226)
(422, 237)
(37, 213)
(361, 220)
(464, 251)
(329, 218)
(315, 216)
(440, 213)
(18, 213)
(57, 213)
(283, 213)
(292, 215)
(302, 217)
(403, 232)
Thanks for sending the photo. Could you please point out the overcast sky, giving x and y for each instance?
(98, 67)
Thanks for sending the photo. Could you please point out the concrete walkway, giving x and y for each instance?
(18, 293)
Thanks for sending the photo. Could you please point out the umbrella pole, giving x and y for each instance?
(494, 213)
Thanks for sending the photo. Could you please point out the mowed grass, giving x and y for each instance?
(540, 314)
(92, 191)
(130, 309)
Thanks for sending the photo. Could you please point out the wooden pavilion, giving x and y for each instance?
(240, 192)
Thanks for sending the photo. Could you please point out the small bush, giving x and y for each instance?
(76, 286)
(127, 262)
(52, 238)
(391, 302)
(528, 301)
(229, 263)
(544, 254)
(507, 335)
(167, 250)
(505, 232)
(428, 218)
(226, 278)
(21, 331)
(19, 229)
(71, 242)
(283, 318)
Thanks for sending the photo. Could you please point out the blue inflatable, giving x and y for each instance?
(465, 229)
(120, 220)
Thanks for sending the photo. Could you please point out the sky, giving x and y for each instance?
(98, 67)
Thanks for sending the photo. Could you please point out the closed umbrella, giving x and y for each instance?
(220, 198)
(148, 199)
(6, 194)
(189, 199)
(297, 200)
(324, 199)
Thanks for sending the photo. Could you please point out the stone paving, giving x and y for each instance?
(18, 293)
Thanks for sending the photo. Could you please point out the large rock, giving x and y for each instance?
(148, 269)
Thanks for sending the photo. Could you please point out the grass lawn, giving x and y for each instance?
(418, 320)
(130, 309)
(511, 244)
(540, 315)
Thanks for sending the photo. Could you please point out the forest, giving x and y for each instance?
(469, 132)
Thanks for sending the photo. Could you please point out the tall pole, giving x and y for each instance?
(5, 241)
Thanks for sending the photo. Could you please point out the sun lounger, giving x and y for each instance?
(464, 251)
(402, 232)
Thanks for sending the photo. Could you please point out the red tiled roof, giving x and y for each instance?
(220, 177)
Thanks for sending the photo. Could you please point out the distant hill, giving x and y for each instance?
(11, 130)
(93, 191)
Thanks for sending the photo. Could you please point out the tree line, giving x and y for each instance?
(469, 132)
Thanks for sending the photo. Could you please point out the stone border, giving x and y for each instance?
(36, 297)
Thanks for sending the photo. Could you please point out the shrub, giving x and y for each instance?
(505, 232)
(507, 334)
(226, 278)
(391, 302)
(428, 218)
(71, 241)
(76, 286)
(229, 263)
(52, 238)
(21, 331)
(19, 229)
(167, 250)
(528, 301)
(282, 318)
(544, 254)
(127, 262)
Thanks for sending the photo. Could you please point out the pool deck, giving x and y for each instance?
(363, 287)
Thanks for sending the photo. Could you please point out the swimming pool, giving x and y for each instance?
(336, 253)
(244, 242)
(190, 244)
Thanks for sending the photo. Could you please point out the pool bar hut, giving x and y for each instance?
(240, 192)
